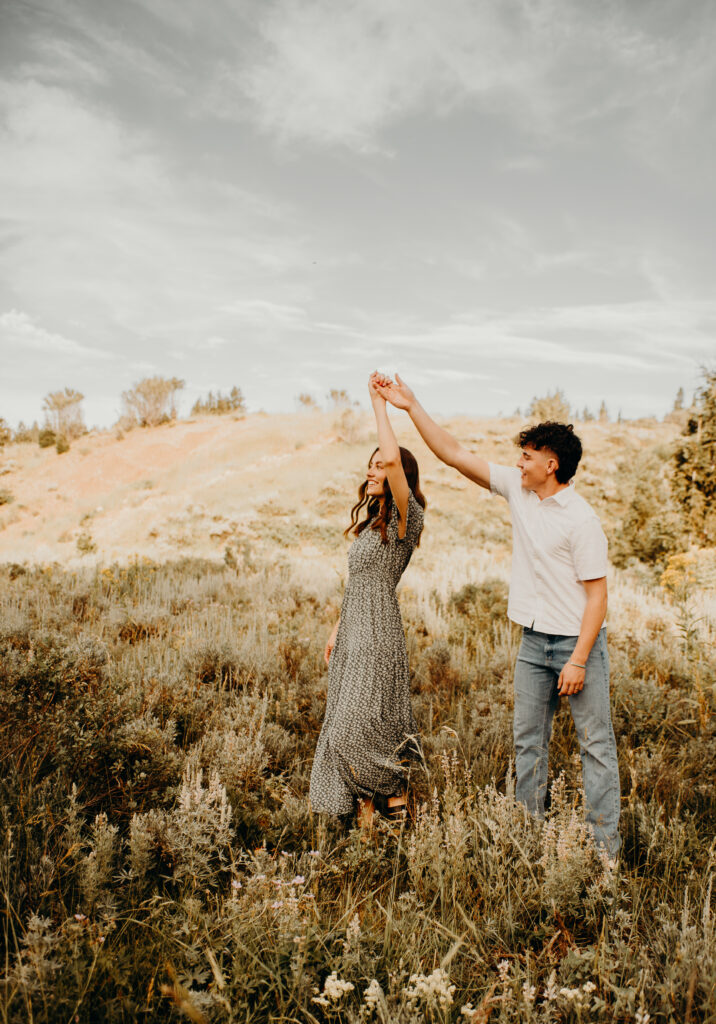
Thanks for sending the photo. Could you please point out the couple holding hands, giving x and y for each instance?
(558, 594)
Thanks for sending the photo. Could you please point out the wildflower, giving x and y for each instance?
(589, 987)
(314, 853)
(334, 988)
(277, 904)
(642, 1017)
(435, 986)
(298, 880)
(372, 994)
(81, 918)
(550, 992)
(236, 884)
(467, 1010)
(504, 968)
(528, 993)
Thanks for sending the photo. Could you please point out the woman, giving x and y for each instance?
(369, 732)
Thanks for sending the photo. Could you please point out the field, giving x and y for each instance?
(164, 603)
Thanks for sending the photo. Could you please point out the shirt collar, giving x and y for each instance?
(562, 497)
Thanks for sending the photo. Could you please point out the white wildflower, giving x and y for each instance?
(529, 993)
(334, 988)
(642, 1017)
(373, 994)
(551, 990)
(504, 968)
(431, 987)
(298, 880)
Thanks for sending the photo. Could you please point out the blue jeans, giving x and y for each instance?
(540, 659)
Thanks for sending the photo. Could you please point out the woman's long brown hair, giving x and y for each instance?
(379, 509)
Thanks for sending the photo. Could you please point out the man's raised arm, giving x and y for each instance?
(439, 441)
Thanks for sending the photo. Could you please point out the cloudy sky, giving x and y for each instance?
(494, 197)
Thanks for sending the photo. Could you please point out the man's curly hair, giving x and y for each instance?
(558, 438)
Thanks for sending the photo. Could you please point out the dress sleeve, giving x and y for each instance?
(414, 526)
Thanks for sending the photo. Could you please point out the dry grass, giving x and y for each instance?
(158, 721)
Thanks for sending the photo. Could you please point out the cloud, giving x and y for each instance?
(341, 73)
(18, 333)
(639, 336)
(266, 313)
(101, 220)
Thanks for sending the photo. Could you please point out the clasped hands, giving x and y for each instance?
(395, 391)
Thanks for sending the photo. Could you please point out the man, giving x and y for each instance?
(558, 594)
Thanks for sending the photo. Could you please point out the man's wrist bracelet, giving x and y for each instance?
(577, 665)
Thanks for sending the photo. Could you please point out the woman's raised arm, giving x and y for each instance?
(390, 455)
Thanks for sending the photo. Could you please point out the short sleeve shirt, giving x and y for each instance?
(557, 543)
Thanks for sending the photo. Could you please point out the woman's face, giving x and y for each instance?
(375, 476)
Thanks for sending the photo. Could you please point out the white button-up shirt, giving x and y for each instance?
(557, 542)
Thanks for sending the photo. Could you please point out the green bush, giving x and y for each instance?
(650, 527)
(694, 463)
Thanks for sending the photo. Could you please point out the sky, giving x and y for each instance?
(496, 198)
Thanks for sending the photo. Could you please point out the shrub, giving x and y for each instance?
(151, 401)
(62, 445)
(5, 433)
(340, 398)
(217, 404)
(63, 413)
(25, 434)
(554, 406)
(85, 544)
(307, 401)
(650, 528)
(349, 426)
(694, 463)
(47, 438)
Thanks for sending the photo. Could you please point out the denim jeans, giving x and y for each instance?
(541, 658)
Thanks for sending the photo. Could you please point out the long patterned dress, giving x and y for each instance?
(369, 732)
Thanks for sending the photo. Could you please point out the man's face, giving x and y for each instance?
(536, 466)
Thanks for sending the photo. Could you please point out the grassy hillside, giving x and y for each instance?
(160, 701)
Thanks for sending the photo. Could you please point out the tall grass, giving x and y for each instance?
(159, 857)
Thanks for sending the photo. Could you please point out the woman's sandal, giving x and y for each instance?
(392, 812)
